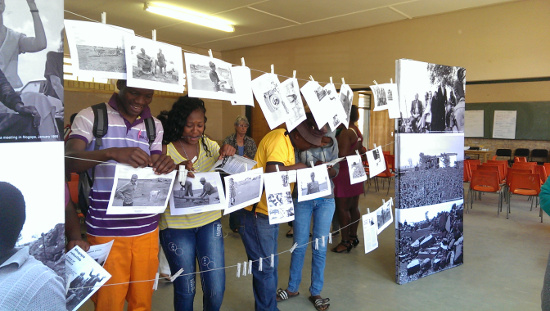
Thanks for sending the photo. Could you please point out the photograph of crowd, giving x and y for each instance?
(429, 239)
(431, 97)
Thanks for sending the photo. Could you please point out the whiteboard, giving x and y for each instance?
(473, 123)
(504, 124)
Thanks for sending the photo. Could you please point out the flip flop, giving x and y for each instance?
(320, 304)
(283, 294)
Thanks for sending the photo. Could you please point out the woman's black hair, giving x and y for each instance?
(354, 114)
(174, 121)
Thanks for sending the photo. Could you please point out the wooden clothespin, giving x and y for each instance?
(343, 81)
(368, 210)
(154, 35)
(331, 80)
(311, 163)
(277, 167)
(242, 62)
(210, 53)
(272, 69)
(294, 74)
(311, 78)
(375, 82)
(104, 17)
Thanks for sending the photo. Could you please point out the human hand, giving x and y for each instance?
(29, 111)
(227, 151)
(133, 156)
(163, 164)
(81, 243)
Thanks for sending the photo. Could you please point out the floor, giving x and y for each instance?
(504, 264)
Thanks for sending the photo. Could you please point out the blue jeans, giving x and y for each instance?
(185, 246)
(322, 210)
(260, 241)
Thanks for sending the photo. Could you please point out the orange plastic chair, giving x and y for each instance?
(526, 185)
(520, 159)
(485, 181)
(525, 166)
(541, 170)
(387, 173)
(500, 169)
(502, 162)
(470, 165)
(547, 168)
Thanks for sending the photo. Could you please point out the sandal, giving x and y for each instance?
(354, 240)
(290, 233)
(344, 246)
(321, 304)
(283, 294)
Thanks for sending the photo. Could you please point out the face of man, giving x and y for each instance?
(312, 176)
(134, 179)
(134, 101)
(300, 142)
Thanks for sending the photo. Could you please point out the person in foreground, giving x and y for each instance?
(321, 210)
(258, 236)
(25, 283)
(545, 205)
(133, 257)
(188, 239)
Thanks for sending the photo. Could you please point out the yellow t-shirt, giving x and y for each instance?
(203, 164)
(274, 147)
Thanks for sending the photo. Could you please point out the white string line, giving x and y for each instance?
(299, 79)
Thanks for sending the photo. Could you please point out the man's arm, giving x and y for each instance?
(39, 42)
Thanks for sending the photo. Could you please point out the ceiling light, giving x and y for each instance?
(188, 16)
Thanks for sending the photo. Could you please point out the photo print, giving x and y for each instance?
(40, 184)
(139, 191)
(243, 86)
(384, 215)
(346, 98)
(97, 49)
(290, 90)
(431, 97)
(429, 239)
(313, 183)
(317, 101)
(202, 193)
(32, 72)
(279, 198)
(154, 65)
(243, 189)
(209, 77)
(431, 169)
(355, 166)
(84, 277)
(370, 231)
(267, 91)
(100, 252)
(386, 98)
(376, 161)
(336, 113)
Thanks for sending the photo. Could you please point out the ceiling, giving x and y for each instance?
(264, 21)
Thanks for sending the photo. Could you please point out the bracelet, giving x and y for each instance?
(32, 11)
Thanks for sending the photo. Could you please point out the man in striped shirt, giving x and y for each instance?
(133, 257)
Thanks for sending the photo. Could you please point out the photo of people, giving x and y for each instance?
(198, 194)
(139, 191)
(279, 198)
(337, 114)
(375, 159)
(384, 215)
(355, 166)
(290, 90)
(243, 189)
(209, 77)
(346, 98)
(312, 183)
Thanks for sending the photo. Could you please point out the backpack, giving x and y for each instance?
(101, 124)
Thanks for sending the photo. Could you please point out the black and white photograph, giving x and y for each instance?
(346, 98)
(84, 277)
(430, 169)
(317, 101)
(356, 169)
(40, 184)
(233, 165)
(431, 97)
(313, 183)
(370, 232)
(375, 159)
(267, 90)
(242, 79)
(384, 215)
(290, 90)
(209, 77)
(243, 189)
(139, 191)
(429, 239)
(386, 98)
(279, 198)
(154, 65)
(202, 193)
(97, 49)
(31, 71)
(337, 114)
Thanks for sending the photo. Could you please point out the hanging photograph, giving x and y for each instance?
(313, 183)
(31, 71)
(154, 65)
(429, 239)
(431, 97)
(386, 98)
(209, 77)
(317, 101)
(384, 215)
(431, 169)
(346, 98)
(242, 79)
(279, 198)
(267, 91)
(337, 114)
(355, 166)
(243, 189)
(376, 161)
(139, 191)
(97, 50)
(290, 90)
(370, 232)
(202, 193)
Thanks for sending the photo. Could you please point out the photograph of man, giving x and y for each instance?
(25, 283)
(208, 191)
(188, 192)
(126, 192)
(214, 77)
(161, 62)
(313, 186)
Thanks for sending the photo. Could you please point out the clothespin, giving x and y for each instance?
(391, 200)
(331, 80)
(242, 62)
(272, 69)
(104, 17)
(391, 134)
(316, 243)
(311, 163)
(277, 167)
(330, 238)
(182, 173)
(294, 74)
(194, 159)
(175, 276)
(210, 53)
(311, 78)
(368, 210)
(391, 80)
(357, 152)
(343, 81)
(374, 145)
(293, 247)
(238, 269)
(250, 267)
(375, 82)
(323, 241)
(154, 35)
(272, 260)
(260, 266)
(244, 268)
(156, 283)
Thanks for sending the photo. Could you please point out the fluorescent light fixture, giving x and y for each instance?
(189, 16)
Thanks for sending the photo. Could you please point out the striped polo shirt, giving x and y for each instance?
(120, 134)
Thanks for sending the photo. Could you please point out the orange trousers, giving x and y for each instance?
(132, 261)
